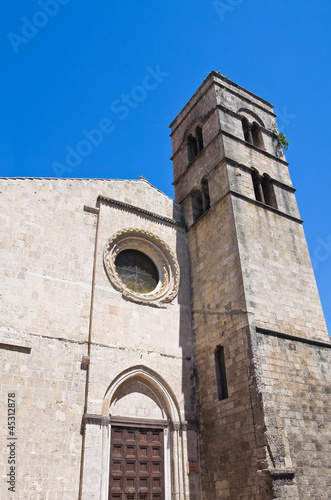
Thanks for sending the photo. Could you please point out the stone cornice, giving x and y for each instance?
(91, 419)
(250, 200)
(266, 207)
(295, 338)
(225, 158)
(15, 347)
(132, 208)
(251, 146)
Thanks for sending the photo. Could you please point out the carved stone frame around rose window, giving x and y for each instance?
(157, 250)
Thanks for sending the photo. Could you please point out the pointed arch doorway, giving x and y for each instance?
(147, 448)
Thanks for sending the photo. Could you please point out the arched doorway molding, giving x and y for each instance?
(159, 388)
(175, 433)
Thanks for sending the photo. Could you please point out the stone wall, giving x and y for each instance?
(231, 449)
(60, 308)
(250, 272)
(280, 286)
(296, 391)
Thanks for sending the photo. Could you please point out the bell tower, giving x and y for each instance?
(260, 342)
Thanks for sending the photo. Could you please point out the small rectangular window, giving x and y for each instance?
(222, 388)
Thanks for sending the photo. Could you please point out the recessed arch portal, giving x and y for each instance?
(155, 385)
(170, 431)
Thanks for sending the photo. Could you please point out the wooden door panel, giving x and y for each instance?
(136, 464)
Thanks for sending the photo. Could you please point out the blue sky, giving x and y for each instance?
(128, 68)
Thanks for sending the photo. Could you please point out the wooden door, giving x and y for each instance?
(136, 464)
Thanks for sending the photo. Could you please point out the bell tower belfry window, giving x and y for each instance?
(197, 204)
(200, 199)
(252, 133)
(194, 144)
(263, 188)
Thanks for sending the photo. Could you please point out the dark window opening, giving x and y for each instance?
(247, 129)
(194, 144)
(257, 183)
(198, 133)
(257, 136)
(252, 133)
(205, 192)
(197, 204)
(200, 199)
(264, 189)
(268, 191)
(192, 148)
(222, 387)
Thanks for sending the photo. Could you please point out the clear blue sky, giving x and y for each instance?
(69, 67)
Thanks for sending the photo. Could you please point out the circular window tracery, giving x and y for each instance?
(142, 267)
(137, 271)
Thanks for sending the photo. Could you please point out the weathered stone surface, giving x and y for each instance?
(59, 304)
(254, 294)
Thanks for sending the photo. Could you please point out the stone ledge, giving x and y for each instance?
(255, 148)
(295, 338)
(14, 347)
(265, 206)
(91, 419)
(279, 473)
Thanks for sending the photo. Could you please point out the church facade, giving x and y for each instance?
(166, 350)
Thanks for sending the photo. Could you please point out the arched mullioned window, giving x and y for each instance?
(200, 199)
(264, 189)
(252, 133)
(194, 144)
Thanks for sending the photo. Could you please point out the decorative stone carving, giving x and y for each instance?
(154, 248)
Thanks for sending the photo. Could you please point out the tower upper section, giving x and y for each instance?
(225, 139)
(230, 172)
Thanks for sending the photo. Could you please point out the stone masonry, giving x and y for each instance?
(254, 295)
(59, 308)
